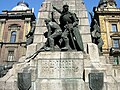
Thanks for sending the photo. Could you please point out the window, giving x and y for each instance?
(116, 60)
(115, 43)
(13, 37)
(13, 29)
(114, 28)
(10, 55)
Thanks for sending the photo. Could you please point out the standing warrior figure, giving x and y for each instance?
(69, 21)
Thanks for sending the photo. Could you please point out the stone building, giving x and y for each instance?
(14, 25)
(108, 17)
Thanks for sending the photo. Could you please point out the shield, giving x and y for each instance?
(78, 38)
(96, 81)
(24, 81)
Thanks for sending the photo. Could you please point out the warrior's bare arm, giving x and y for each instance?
(52, 17)
(49, 30)
(57, 9)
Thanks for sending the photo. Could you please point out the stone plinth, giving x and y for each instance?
(59, 70)
(93, 52)
(60, 84)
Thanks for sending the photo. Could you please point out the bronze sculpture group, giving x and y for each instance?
(67, 32)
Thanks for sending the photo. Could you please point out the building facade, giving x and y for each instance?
(14, 26)
(108, 17)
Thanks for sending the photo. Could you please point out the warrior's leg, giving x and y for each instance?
(66, 40)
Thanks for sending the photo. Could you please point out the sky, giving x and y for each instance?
(9, 4)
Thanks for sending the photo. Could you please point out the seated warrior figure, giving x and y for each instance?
(54, 31)
(69, 26)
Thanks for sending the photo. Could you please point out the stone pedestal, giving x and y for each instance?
(59, 84)
(59, 71)
(93, 52)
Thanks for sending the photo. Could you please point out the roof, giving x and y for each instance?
(21, 6)
(101, 2)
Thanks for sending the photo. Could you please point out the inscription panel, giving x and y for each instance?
(60, 65)
(60, 68)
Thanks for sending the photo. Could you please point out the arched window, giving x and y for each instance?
(13, 37)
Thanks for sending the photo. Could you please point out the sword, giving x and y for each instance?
(68, 28)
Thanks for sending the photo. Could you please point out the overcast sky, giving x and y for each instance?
(9, 4)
